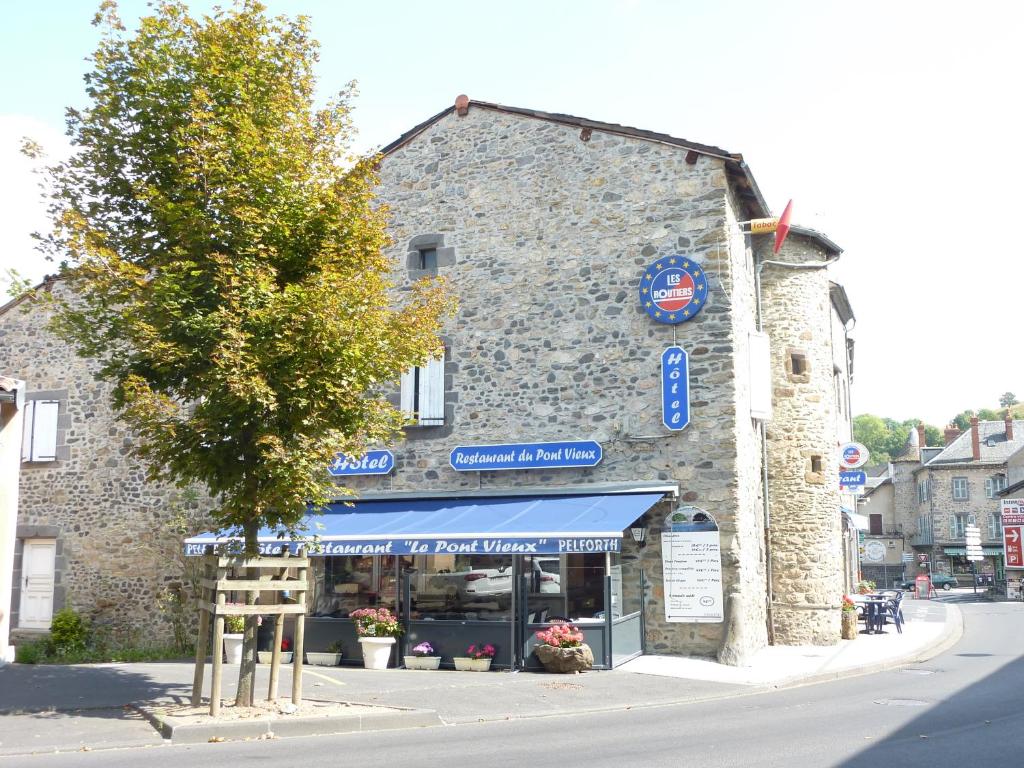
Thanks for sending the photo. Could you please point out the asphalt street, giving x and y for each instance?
(963, 706)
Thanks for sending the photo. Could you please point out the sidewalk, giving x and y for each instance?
(55, 708)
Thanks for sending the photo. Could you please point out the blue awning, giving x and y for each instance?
(494, 525)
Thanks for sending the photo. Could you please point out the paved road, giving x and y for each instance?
(959, 708)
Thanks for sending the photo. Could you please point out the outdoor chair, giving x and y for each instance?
(892, 610)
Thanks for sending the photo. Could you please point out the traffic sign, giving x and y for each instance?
(1012, 541)
(907, 557)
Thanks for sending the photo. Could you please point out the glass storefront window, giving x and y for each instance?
(343, 584)
(461, 587)
(565, 587)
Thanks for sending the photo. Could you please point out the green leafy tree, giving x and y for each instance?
(226, 256)
(886, 438)
(1007, 399)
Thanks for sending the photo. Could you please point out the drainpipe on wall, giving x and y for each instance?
(12, 409)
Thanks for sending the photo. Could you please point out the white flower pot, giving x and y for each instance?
(376, 651)
(466, 664)
(422, 662)
(233, 649)
(267, 656)
(323, 659)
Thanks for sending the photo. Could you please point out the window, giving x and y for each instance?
(39, 440)
(423, 393)
(816, 464)
(798, 363)
(960, 492)
(428, 259)
(922, 491)
(956, 526)
(875, 522)
(994, 484)
(995, 528)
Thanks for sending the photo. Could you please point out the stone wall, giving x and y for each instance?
(550, 236)
(807, 562)
(115, 553)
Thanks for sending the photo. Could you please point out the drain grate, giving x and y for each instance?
(902, 702)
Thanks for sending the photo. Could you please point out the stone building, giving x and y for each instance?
(937, 491)
(546, 227)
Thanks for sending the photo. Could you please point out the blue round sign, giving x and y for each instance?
(673, 289)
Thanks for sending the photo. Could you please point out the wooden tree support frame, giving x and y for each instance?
(271, 576)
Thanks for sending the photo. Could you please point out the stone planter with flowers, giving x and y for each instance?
(477, 659)
(266, 657)
(329, 658)
(422, 657)
(849, 626)
(562, 649)
(234, 627)
(377, 629)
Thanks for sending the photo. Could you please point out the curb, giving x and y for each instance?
(176, 731)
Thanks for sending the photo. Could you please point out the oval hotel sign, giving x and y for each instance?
(673, 289)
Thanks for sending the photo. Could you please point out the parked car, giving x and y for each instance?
(939, 581)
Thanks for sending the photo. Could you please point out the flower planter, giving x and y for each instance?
(466, 664)
(849, 628)
(376, 651)
(578, 658)
(323, 659)
(422, 662)
(233, 649)
(267, 656)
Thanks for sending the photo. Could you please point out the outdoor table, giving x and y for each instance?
(874, 606)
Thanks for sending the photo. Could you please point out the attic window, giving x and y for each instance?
(428, 259)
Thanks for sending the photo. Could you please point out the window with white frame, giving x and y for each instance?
(994, 484)
(39, 440)
(960, 492)
(956, 526)
(423, 393)
(995, 526)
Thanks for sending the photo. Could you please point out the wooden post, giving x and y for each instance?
(218, 641)
(300, 633)
(205, 596)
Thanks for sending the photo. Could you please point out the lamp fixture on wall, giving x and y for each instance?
(639, 535)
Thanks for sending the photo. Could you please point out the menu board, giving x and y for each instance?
(692, 568)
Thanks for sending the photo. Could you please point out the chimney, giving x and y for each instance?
(1008, 421)
(951, 433)
(462, 105)
(975, 441)
(920, 435)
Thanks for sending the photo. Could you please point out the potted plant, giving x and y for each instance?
(477, 659)
(377, 629)
(849, 614)
(329, 658)
(865, 587)
(423, 657)
(562, 649)
(234, 626)
(286, 652)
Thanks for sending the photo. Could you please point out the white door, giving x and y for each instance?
(37, 562)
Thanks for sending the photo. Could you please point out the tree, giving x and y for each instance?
(227, 261)
(886, 438)
(1007, 399)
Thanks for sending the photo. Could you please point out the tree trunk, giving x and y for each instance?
(247, 669)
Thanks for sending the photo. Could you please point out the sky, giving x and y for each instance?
(892, 127)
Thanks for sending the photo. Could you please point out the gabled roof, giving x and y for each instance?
(993, 445)
(740, 175)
